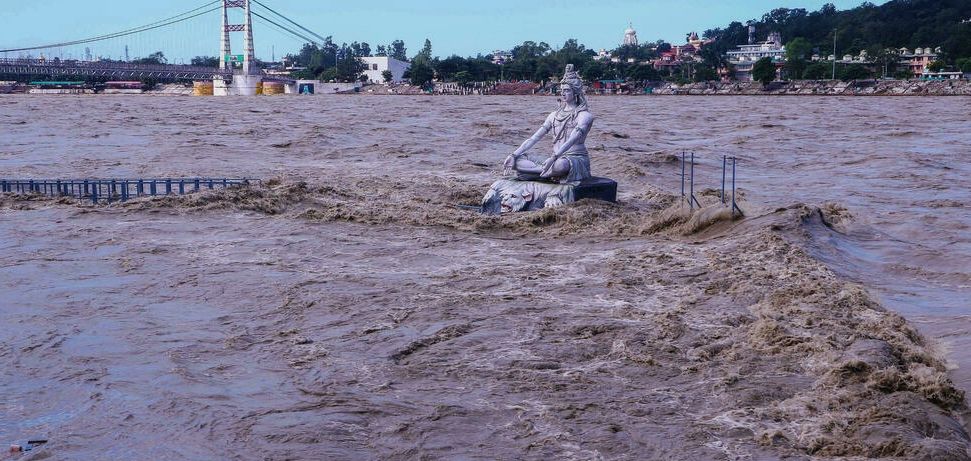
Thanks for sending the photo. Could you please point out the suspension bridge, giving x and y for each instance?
(235, 74)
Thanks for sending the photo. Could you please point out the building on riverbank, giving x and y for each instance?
(376, 65)
(918, 60)
(745, 56)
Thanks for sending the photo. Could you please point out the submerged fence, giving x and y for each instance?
(688, 178)
(110, 190)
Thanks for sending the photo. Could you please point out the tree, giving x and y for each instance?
(530, 50)
(593, 70)
(546, 67)
(763, 71)
(713, 56)
(818, 71)
(903, 74)
(328, 75)
(642, 72)
(796, 51)
(397, 50)
(936, 66)
(448, 67)
(205, 61)
(421, 71)
(387, 76)
(426, 51)
(349, 69)
(155, 58)
(463, 77)
(705, 73)
(483, 69)
(887, 59)
(964, 65)
(381, 51)
(360, 49)
(855, 72)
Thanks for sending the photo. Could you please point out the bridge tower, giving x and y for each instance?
(244, 82)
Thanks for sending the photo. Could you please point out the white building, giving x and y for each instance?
(500, 57)
(630, 36)
(376, 65)
(745, 56)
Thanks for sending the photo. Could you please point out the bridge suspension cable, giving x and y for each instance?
(155, 25)
(322, 39)
(284, 28)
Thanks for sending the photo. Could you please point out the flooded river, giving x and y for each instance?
(345, 308)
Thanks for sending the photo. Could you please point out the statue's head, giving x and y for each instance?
(571, 83)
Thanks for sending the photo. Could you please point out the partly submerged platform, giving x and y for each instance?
(598, 188)
(511, 195)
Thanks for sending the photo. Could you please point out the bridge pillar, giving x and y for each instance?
(244, 82)
(245, 85)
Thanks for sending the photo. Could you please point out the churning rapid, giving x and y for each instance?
(347, 309)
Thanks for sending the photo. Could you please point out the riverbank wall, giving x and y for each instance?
(815, 87)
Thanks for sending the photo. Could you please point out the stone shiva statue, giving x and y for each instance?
(542, 181)
(569, 162)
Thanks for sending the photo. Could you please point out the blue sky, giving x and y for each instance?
(454, 27)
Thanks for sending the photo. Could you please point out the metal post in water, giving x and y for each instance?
(724, 159)
(168, 186)
(682, 175)
(196, 184)
(181, 187)
(140, 188)
(691, 184)
(94, 191)
(151, 187)
(124, 191)
(734, 204)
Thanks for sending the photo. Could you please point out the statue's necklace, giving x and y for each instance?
(565, 113)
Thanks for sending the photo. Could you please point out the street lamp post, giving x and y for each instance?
(834, 54)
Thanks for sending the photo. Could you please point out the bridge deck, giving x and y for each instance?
(110, 69)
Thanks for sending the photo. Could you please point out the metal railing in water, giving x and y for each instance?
(110, 190)
(688, 178)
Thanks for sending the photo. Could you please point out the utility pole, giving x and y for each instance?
(834, 53)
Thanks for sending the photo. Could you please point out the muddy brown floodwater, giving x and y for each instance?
(345, 308)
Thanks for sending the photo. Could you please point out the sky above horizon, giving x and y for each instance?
(458, 28)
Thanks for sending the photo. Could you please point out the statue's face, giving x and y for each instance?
(567, 92)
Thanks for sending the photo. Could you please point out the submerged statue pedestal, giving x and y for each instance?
(511, 195)
(560, 178)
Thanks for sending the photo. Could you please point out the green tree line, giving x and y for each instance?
(880, 31)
